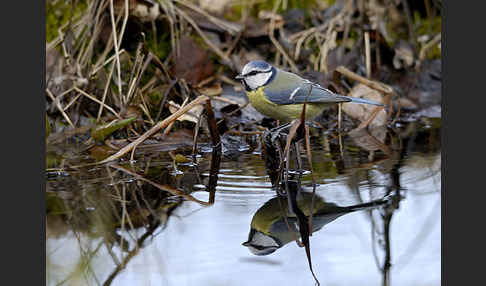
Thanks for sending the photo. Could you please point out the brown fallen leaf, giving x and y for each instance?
(405, 103)
(370, 139)
(192, 63)
(362, 112)
(213, 90)
(192, 115)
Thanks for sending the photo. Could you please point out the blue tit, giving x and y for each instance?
(280, 94)
(269, 231)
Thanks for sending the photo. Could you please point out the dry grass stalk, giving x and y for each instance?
(365, 123)
(373, 84)
(145, 109)
(430, 44)
(72, 101)
(95, 70)
(113, 26)
(136, 79)
(215, 49)
(59, 107)
(170, 14)
(169, 127)
(367, 53)
(155, 129)
(97, 101)
(105, 92)
(230, 28)
(277, 45)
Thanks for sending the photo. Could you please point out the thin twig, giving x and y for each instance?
(167, 188)
(220, 53)
(277, 45)
(430, 44)
(367, 53)
(105, 92)
(373, 84)
(155, 129)
(95, 70)
(117, 53)
(58, 105)
(97, 101)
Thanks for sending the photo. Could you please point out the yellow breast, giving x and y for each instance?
(284, 113)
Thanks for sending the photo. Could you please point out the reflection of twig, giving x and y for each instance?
(166, 188)
(416, 243)
(131, 253)
(389, 210)
(87, 256)
(216, 154)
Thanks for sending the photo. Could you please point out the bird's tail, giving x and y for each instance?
(370, 205)
(362, 100)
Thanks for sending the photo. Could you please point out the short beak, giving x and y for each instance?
(246, 243)
(239, 77)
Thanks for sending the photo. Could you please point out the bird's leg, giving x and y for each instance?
(297, 157)
(281, 190)
(299, 165)
(286, 179)
(275, 132)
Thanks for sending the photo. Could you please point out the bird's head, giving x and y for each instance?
(261, 244)
(256, 74)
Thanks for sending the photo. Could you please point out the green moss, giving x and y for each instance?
(291, 4)
(431, 27)
(237, 10)
(160, 47)
(427, 25)
(58, 13)
(155, 97)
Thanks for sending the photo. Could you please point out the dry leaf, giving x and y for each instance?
(370, 140)
(362, 112)
(213, 90)
(193, 63)
(406, 103)
(192, 115)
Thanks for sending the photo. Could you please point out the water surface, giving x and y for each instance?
(96, 216)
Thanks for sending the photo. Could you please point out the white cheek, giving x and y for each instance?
(257, 80)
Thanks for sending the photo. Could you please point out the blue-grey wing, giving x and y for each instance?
(288, 88)
(314, 93)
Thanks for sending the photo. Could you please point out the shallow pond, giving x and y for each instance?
(143, 223)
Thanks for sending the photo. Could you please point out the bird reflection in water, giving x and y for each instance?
(275, 225)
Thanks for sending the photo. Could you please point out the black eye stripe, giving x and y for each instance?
(256, 72)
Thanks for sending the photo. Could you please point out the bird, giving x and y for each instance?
(280, 95)
(269, 230)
